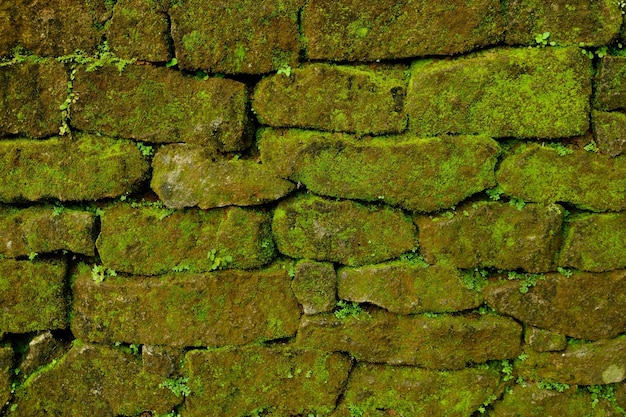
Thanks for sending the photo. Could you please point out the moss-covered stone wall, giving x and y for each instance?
(315, 208)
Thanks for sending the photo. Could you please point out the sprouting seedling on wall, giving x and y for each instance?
(542, 39)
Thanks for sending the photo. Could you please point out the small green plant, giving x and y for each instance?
(285, 70)
(591, 147)
(183, 266)
(100, 272)
(146, 150)
(542, 39)
(178, 386)
(57, 210)
(507, 370)
(292, 270)
(494, 193)
(32, 256)
(475, 279)
(560, 149)
(483, 408)
(218, 262)
(355, 411)
(604, 392)
(415, 258)
(526, 280)
(171, 63)
(565, 272)
(201, 75)
(346, 309)
(517, 203)
(553, 386)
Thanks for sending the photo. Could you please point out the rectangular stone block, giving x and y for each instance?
(149, 240)
(524, 93)
(32, 296)
(492, 234)
(30, 96)
(278, 380)
(85, 167)
(334, 98)
(358, 30)
(44, 229)
(610, 84)
(160, 105)
(609, 131)
(245, 36)
(214, 309)
(419, 174)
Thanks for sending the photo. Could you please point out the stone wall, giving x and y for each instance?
(312, 208)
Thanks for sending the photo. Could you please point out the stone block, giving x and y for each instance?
(610, 84)
(42, 350)
(542, 340)
(609, 130)
(315, 286)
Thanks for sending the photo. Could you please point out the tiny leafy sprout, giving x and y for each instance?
(591, 147)
(56, 210)
(146, 150)
(542, 39)
(553, 386)
(347, 309)
(507, 370)
(564, 272)
(218, 262)
(32, 256)
(285, 70)
(171, 63)
(518, 204)
(100, 272)
(494, 193)
(178, 386)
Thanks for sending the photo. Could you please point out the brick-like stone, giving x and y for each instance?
(46, 229)
(85, 167)
(608, 130)
(493, 234)
(407, 391)
(335, 98)
(542, 340)
(160, 105)
(610, 84)
(584, 305)
(30, 96)
(595, 242)
(406, 288)
(151, 240)
(245, 36)
(591, 181)
(444, 342)
(350, 233)
(6, 363)
(187, 176)
(213, 309)
(420, 174)
(358, 30)
(279, 380)
(569, 22)
(524, 93)
(32, 296)
(315, 286)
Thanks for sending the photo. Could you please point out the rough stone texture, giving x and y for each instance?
(608, 130)
(93, 380)
(52, 27)
(42, 229)
(445, 342)
(307, 226)
(245, 36)
(160, 360)
(404, 287)
(32, 296)
(86, 167)
(584, 306)
(213, 309)
(42, 349)
(358, 30)
(150, 240)
(187, 175)
(601, 362)
(30, 96)
(361, 99)
(406, 391)
(595, 242)
(315, 286)
(161, 105)
(493, 234)
(586, 179)
(569, 22)
(140, 29)
(525, 93)
(610, 84)
(6, 363)
(541, 340)
(423, 174)
(282, 381)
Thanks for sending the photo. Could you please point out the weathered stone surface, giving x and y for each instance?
(541, 340)
(44, 229)
(307, 226)
(569, 22)
(601, 362)
(150, 240)
(359, 30)
(492, 234)
(213, 309)
(52, 27)
(186, 176)
(608, 130)
(86, 167)
(445, 342)
(423, 174)
(279, 380)
(160, 360)
(595, 242)
(245, 36)
(32, 296)
(42, 349)
(501, 93)
(315, 286)
(161, 105)
(140, 29)
(30, 96)
(406, 391)
(586, 179)
(405, 288)
(93, 380)
(6, 362)
(610, 84)
(584, 306)
(337, 98)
